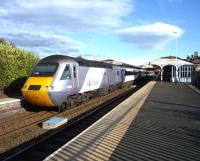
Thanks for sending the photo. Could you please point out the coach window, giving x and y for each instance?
(66, 74)
(129, 73)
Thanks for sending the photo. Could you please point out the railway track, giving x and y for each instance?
(21, 128)
(24, 121)
(29, 116)
(14, 110)
(76, 116)
(9, 109)
(9, 112)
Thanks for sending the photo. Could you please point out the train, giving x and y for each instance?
(63, 81)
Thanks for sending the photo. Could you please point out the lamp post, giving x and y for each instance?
(176, 74)
(176, 45)
(176, 48)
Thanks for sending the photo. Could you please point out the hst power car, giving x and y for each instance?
(57, 80)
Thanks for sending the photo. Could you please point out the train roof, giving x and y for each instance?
(55, 59)
(83, 62)
(92, 63)
(121, 64)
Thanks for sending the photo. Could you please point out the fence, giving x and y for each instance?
(196, 79)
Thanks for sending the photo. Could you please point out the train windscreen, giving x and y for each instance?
(44, 69)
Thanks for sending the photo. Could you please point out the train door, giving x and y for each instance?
(123, 75)
(110, 76)
(75, 75)
(118, 76)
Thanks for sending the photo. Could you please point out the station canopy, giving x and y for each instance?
(148, 66)
(170, 60)
(174, 69)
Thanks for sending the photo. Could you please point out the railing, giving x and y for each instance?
(196, 79)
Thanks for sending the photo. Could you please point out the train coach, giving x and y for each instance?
(63, 81)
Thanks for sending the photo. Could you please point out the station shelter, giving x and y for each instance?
(174, 69)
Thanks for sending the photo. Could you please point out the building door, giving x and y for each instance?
(168, 73)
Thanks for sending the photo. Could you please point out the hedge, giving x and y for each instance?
(14, 64)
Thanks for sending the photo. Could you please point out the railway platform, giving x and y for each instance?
(161, 121)
(7, 102)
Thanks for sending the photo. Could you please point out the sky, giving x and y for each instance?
(131, 31)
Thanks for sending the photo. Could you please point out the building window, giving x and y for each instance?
(185, 71)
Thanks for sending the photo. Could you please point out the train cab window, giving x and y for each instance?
(44, 69)
(66, 73)
(117, 73)
(74, 71)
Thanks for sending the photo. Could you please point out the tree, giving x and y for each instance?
(2, 41)
(14, 63)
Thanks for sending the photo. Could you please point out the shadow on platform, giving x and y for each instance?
(166, 128)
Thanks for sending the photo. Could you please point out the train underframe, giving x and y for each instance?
(78, 99)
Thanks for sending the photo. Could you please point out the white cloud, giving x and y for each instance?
(44, 43)
(152, 36)
(67, 15)
(30, 40)
(35, 24)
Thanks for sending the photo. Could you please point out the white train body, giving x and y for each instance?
(68, 76)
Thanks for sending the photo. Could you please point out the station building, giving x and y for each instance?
(173, 69)
(196, 62)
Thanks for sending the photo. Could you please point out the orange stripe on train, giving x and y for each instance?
(35, 91)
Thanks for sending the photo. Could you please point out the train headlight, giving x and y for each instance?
(45, 87)
(48, 87)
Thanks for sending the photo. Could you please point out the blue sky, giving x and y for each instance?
(132, 31)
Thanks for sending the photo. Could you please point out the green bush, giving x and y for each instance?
(14, 64)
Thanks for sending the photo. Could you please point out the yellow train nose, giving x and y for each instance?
(35, 91)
